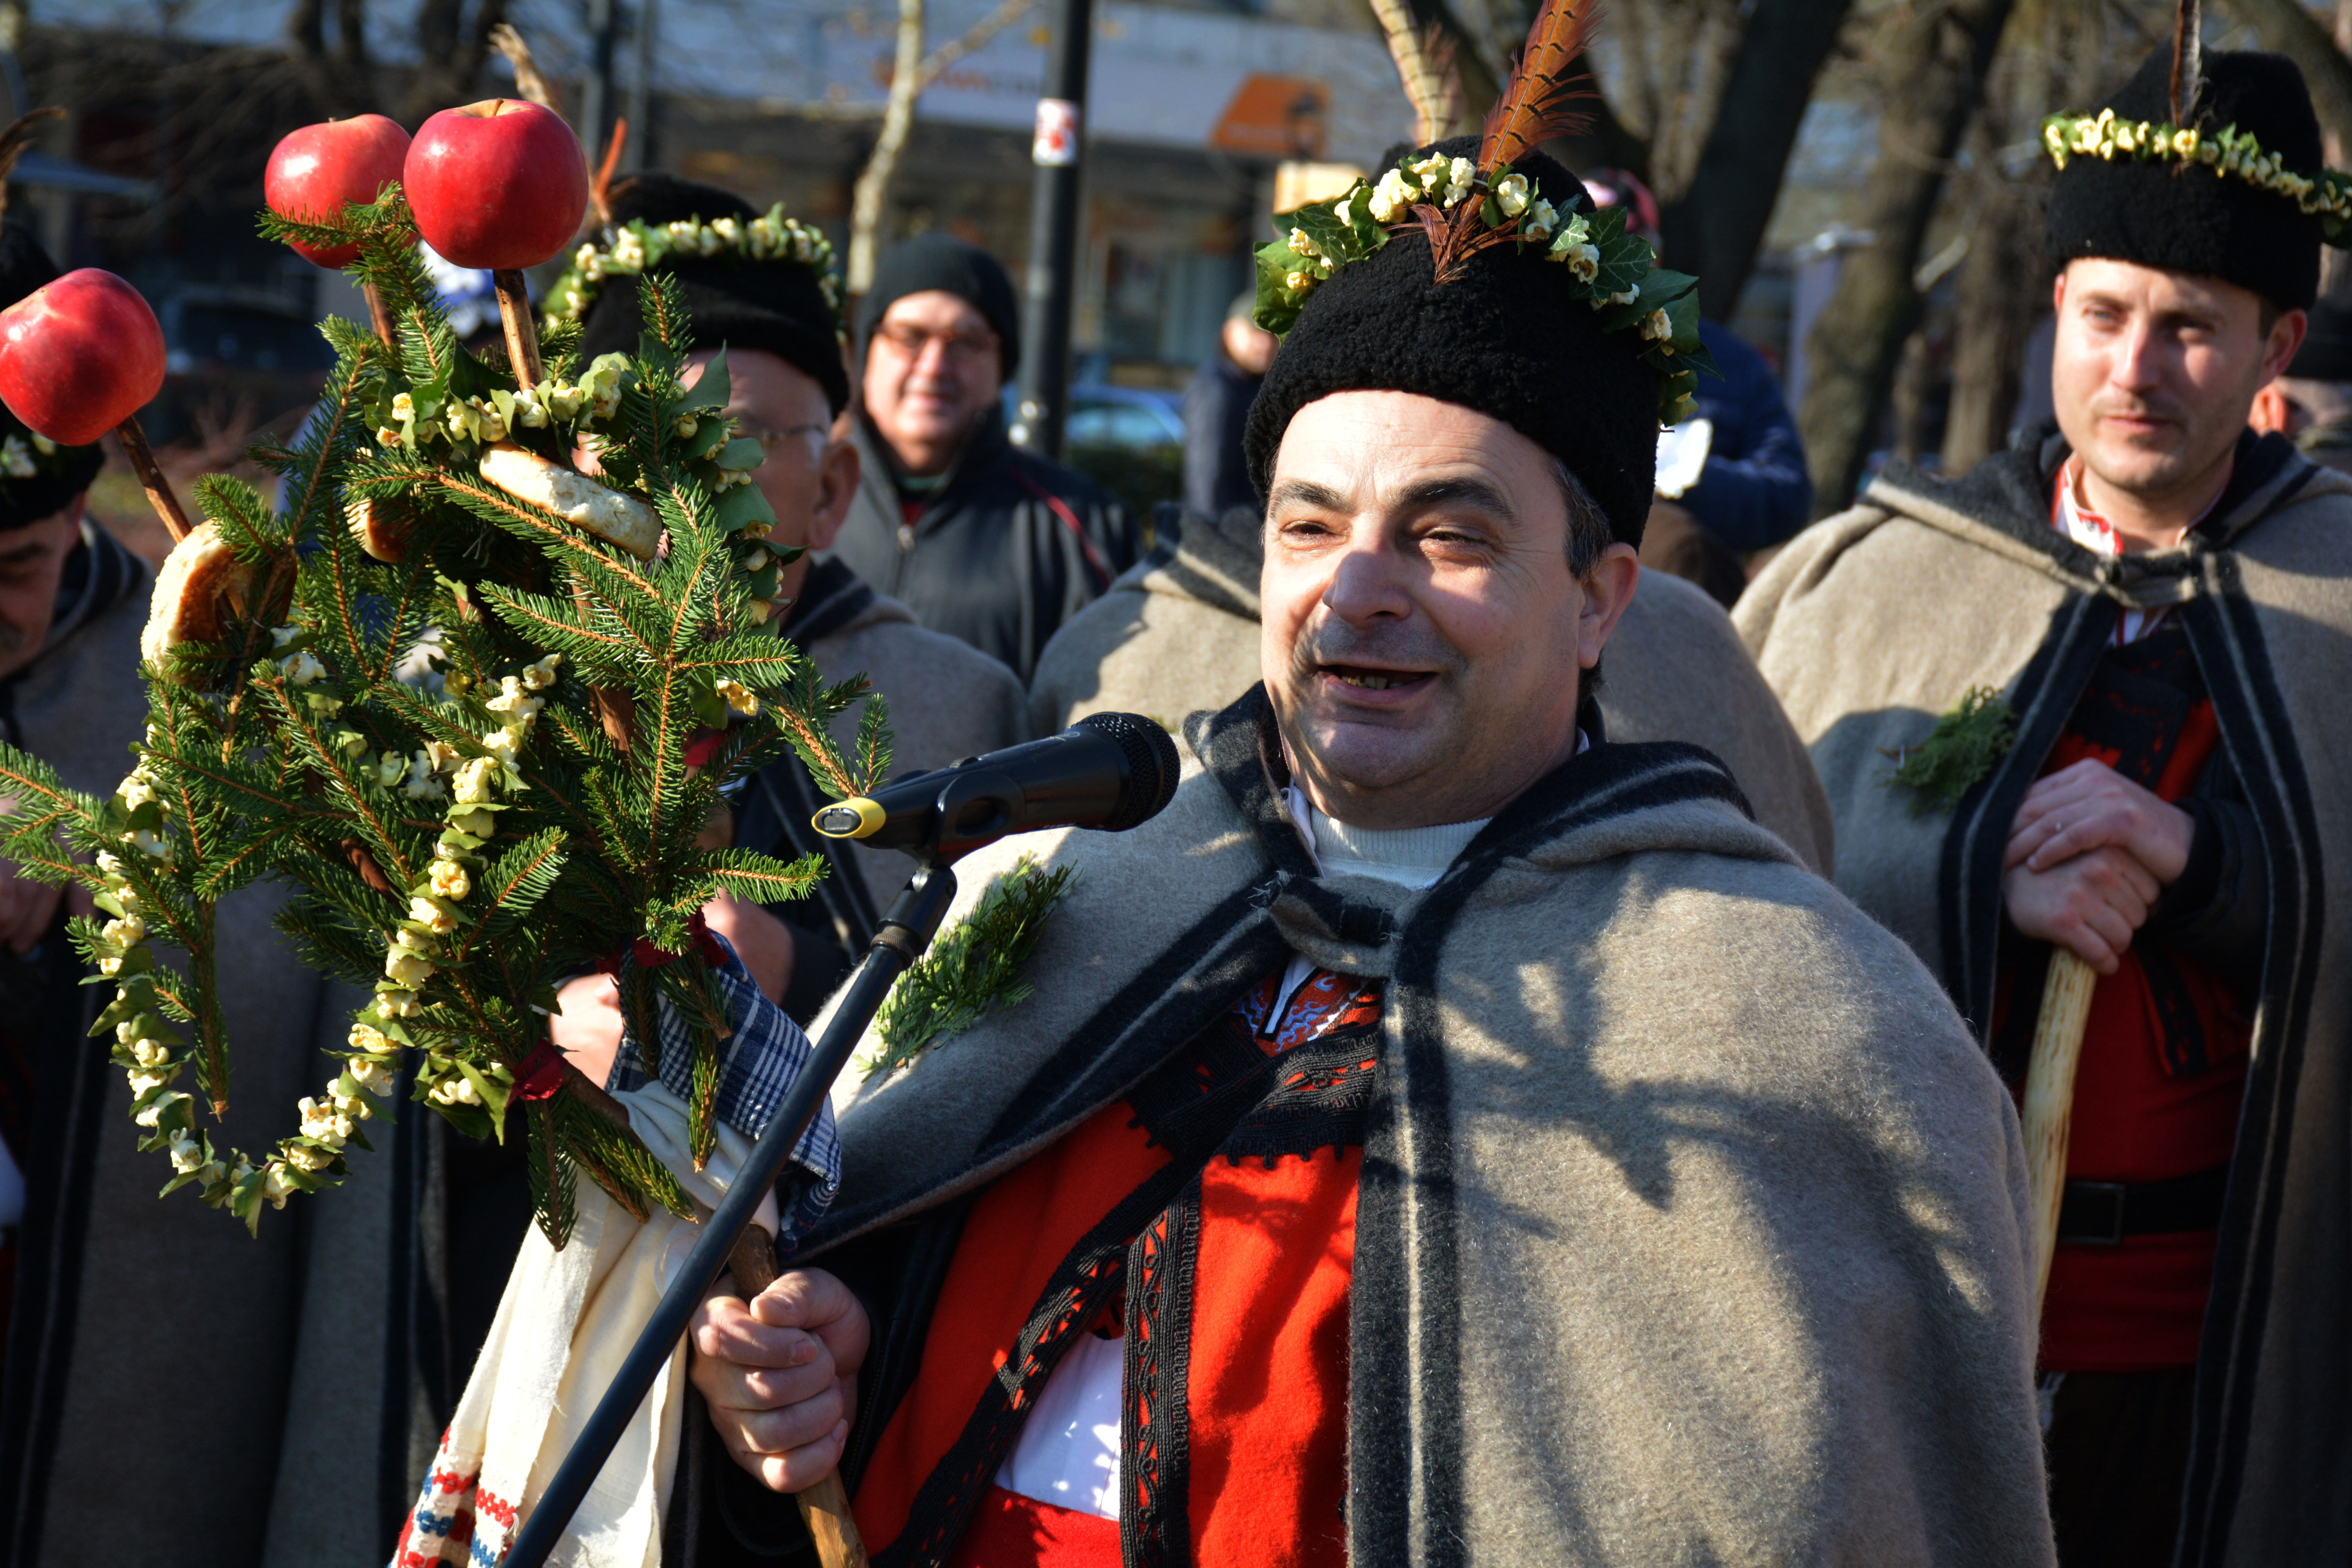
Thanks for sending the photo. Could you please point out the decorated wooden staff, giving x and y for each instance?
(463, 844)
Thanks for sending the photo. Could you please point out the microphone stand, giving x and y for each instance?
(907, 929)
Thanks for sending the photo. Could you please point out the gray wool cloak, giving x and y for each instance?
(1690, 1222)
(1177, 632)
(1873, 623)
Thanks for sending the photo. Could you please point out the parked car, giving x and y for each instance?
(1128, 439)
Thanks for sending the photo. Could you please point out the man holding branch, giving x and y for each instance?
(1444, 1134)
(2135, 632)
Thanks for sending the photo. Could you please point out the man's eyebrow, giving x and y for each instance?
(1476, 495)
(1306, 494)
(22, 553)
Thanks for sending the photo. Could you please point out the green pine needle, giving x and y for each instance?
(972, 970)
(1964, 747)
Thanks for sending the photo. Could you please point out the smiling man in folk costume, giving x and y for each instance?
(2135, 630)
(1444, 1134)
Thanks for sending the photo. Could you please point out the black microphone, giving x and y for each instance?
(1107, 771)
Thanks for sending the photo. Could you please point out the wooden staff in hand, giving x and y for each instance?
(2050, 1100)
(824, 1507)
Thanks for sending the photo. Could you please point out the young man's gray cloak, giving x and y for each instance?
(1178, 634)
(1691, 1222)
(1875, 622)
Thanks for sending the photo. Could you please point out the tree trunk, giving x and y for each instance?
(1718, 225)
(1998, 303)
(2303, 37)
(1931, 69)
(873, 182)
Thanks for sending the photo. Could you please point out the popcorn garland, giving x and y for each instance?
(638, 247)
(2326, 195)
(152, 1053)
(1612, 271)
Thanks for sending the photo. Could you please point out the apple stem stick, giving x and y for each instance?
(824, 1507)
(159, 489)
(2050, 1100)
(522, 333)
(381, 319)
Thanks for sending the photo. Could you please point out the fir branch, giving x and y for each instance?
(972, 970)
(873, 743)
(1964, 745)
(764, 878)
(513, 887)
(554, 1204)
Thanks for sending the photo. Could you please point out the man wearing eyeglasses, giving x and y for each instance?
(987, 542)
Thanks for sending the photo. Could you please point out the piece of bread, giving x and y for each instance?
(201, 583)
(381, 525)
(607, 513)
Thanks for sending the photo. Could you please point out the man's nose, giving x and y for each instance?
(1367, 585)
(2138, 364)
(933, 364)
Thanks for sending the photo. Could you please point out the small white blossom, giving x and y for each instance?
(529, 412)
(16, 458)
(109, 862)
(1390, 197)
(151, 1054)
(303, 1157)
(130, 931)
(739, 697)
(391, 768)
(274, 1187)
(373, 1076)
(385, 436)
(138, 788)
(186, 1153)
(431, 916)
(1511, 195)
(1655, 328)
(140, 1082)
(303, 668)
(369, 1038)
(541, 675)
(515, 699)
(1626, 296)
(437, 757)
(324, 1122)
(1461, 174)
(506, 745)
(450, 881)
(404, 407)
(1542, 220)
(154, 1114)
(456, 1089)
(43, 444)
(685, 425)
(399, 1004)
(1584, 260)
(423, 785)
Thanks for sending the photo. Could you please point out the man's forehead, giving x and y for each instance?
(1367, 443)
(934, 308)
(2107, 278)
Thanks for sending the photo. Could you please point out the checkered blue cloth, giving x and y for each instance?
(756, 1063)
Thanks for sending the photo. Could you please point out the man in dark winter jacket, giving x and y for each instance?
(1216, 412)
(986, 542)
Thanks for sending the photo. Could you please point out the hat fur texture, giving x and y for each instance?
(1506, 340)
(2187, 219)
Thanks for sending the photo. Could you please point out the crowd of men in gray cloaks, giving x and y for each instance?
(1692, 1222)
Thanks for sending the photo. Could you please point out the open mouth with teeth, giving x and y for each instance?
(1366, 680)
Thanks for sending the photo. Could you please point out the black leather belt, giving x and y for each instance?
(2101, 1213)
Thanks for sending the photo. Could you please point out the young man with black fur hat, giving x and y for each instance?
(1444, 1134)
(986, 541)
(2135, 631)
(775, 316)
(92, 1467)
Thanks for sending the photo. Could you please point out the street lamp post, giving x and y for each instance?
(1057, 149)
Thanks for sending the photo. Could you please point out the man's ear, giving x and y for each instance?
(837, 473)
(2286, 337)
(2269, 414)
(1608, 589)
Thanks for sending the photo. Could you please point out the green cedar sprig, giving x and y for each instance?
(972, 970)
(1962, 749)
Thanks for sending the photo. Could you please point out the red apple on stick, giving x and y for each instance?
(318, 170)
(499, 184)
(80, 355)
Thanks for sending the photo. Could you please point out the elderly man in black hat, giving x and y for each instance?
(2090, 697)
(1444, 1134)
(775, 319)
(987, 542)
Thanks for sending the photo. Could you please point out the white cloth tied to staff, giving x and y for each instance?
(569, 1318)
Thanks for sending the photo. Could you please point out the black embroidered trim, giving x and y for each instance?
(1086, 1280)
(1321, 1101)
(1155, 1520)
(2226, 631)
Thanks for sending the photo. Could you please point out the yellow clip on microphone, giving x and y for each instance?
(858, 817)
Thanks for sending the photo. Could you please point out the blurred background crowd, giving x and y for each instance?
(1857, 184)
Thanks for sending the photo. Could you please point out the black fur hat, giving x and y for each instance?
(60, 473)
(736, 301)
(2184, 217)
(1505, 338)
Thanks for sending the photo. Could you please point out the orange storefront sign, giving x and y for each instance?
(1274, 117)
